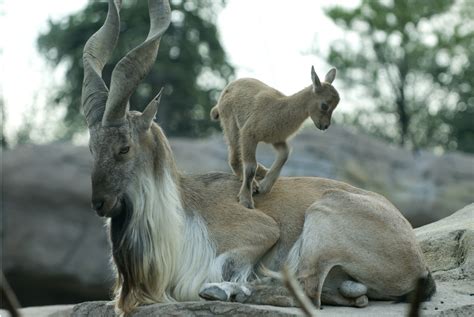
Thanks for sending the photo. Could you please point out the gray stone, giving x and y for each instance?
(55, 249)
(450, 300)
(448, 246)
(187, 309)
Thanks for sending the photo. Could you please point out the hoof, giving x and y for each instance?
(351, 289)
(361, 301)
(255, 187)
(242, 294)
(246, 203)
(261, 171)
(213, 293)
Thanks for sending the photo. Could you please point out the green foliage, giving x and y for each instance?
(191, 62)
(410, 61)
(2, 122)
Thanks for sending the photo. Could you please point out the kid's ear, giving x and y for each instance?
(150, 111)
(330, 76)
(315, 79)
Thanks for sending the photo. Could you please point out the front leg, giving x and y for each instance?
(246, 190)
(283, 152)
(244, 237)
(249, 148)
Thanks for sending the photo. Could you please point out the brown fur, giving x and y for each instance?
(251, 112)
(340, 225)
(328, 231)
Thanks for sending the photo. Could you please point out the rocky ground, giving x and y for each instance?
(448, 246)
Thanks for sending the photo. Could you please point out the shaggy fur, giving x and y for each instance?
(176, 236)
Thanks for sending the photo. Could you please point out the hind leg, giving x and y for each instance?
(243, 243)
(231, 132)
(333, 297)
(282, 156)
(312, 278)
(248, 145)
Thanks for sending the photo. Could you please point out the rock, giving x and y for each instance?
(202, 308)
(448, 246)
(55, 249)
(47, 311)
(446, 302)
(43, 311)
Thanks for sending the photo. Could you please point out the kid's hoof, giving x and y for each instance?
(264, 187)
(213, 293)
(246, 203)
(255, 187)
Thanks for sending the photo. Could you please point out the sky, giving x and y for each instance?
(266, 39)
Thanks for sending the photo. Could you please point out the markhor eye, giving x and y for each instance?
(324, 106)
(124, 150)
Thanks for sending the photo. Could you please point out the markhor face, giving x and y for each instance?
(114, 161)
(321, 112)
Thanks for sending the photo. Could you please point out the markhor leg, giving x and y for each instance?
(282, 156)
(248, 147)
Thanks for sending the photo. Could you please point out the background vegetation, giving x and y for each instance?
(192, 63)
(407, 63)
(411, 64)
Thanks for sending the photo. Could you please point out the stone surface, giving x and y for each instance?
(43, 311)
(55, 249)
(450, 300)
(448, 246)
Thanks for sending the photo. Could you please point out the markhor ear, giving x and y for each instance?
(150, 111)
(315, 79)
(330, 76)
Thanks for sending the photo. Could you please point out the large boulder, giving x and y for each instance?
(448, 246)
(55, 248)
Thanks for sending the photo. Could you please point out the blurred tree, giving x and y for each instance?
(191, 62)
(410, 61)
(2, 122)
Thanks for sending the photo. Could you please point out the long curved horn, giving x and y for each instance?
(97, 52)
(136, 64)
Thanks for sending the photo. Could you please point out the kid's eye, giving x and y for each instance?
(324, 106)
(124, 150)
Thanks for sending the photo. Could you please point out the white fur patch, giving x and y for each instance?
(157, 223)
(198, 260)
(176, 245)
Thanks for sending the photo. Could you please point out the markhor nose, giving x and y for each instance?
(97, 204)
